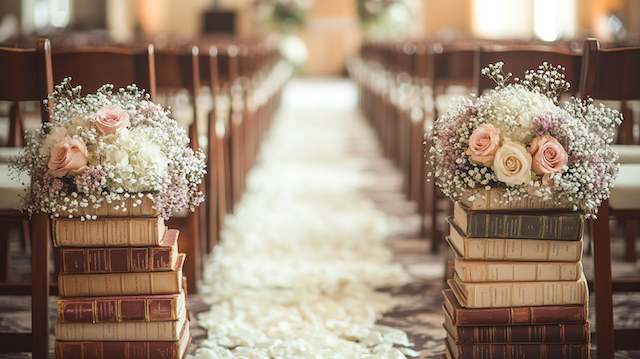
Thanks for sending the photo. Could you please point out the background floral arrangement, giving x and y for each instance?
(109, 147)
(519, 136)
(285, 15)
(386, 18)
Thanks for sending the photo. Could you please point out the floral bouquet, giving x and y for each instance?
(107, 148)
(285, 15)
(519, 138)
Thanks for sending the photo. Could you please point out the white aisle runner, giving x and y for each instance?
(296, 271)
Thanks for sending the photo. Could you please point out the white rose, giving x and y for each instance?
(117, 157)
(512, 164)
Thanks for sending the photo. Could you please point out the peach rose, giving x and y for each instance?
(512, 164)
(483, 144)
(68, 157)
(110, 119)
(548, 155)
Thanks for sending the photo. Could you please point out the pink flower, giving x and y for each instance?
(548, 155)
(68, 156)
(483, 144)
(110, 119)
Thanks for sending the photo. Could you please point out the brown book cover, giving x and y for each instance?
(512, 249)
(122, 259)
(494, 198)
(144, 308)
(125, 349)
(517, 350)
(115, 284)
(519, 225)
(577, 333)
(108, 232)
(116, 331)
(512, 315)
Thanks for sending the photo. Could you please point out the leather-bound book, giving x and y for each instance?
(519, 224)
(122, 259)
(551, 314)
(512, 271)
(577, 333)
(517, 350)
(129, 207)
(108, 232)
(518, 294)
(133, 331)
(495, 199)
(125, 349)
(144, 308)
(113, 284)
(513, 249)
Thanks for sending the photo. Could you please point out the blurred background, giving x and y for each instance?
(319, 35)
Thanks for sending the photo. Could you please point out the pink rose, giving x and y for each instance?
(110, 119)
(68, 157)
(548, 155)
(483, 144)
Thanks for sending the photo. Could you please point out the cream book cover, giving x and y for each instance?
(513, 249)
(510, 271)
(518, 294)
(108, 232)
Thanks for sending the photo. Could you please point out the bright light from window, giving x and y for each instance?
(545, 19)
(60, 12)
(502, 18)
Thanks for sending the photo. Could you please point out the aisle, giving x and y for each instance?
(296, 272)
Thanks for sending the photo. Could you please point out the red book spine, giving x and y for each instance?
(558, 333)
(118, 309)
(523, 351)
(121, 259)
(117, 350)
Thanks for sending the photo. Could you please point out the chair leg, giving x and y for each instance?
(41, 236)
(4, 251)
(603, 286)
(630, 226)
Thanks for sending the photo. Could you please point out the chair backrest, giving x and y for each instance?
(453, 64)
(613, 75)
(93, 67)
(610, 74)
(26, 76)
(520, 58)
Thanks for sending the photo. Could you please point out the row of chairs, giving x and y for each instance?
(404, 86)
(233, 88)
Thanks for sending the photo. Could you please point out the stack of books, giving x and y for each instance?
(121, 286)
(518, 290)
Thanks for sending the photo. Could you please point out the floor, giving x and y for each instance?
(322, 259)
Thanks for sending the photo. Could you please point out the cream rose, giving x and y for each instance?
(110, 119)
(483, 144)
(548, 155)
(512, 164)
(68, 157)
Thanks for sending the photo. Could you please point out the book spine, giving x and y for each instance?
(523, 351)
(117, 350)
(523, 294)
(521, 315)
(134, 331)
(558, 333)
(521, 249)
(101, 310)
(129, 207)
(112, 232)
(108, 260)
(525, 226)
(76, 285)
(477, 271)
(494, 199)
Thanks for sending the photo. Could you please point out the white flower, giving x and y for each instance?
(512, 164)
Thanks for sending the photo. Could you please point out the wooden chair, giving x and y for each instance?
(612, 74)
(26, 76)
(451, 65)
(216, 177)
(178, 69)
(94, 67)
